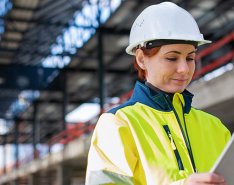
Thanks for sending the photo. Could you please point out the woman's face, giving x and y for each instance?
(171, 69)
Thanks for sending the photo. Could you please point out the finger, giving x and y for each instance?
(207, 177)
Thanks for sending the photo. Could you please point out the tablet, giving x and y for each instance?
(224, 165)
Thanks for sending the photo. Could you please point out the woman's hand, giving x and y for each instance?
(205, 178)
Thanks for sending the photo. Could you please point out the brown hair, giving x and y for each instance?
(148, 53)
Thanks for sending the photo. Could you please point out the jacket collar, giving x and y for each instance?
(158, 100)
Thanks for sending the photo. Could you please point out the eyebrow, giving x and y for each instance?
(177, 52)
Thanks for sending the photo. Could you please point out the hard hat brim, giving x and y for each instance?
(130, 49)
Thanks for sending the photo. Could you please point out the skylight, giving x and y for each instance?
(82, 27)
(5, 6)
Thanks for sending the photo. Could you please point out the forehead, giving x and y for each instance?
(182, 48)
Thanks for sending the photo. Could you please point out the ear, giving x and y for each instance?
(140, 58)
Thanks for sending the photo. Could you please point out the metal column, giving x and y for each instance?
(65, 101)
(34, 128)
(16, 137)
(101, 70)
(63, 175)
(4, 154)
(33, 179)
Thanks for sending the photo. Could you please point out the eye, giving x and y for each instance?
(171, 59)
(190, 59)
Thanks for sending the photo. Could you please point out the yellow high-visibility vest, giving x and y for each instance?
(151, 140)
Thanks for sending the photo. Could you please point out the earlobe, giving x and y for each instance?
(140, 59)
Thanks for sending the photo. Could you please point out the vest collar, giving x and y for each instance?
(158, 99)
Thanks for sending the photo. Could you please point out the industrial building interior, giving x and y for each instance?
(58, 55)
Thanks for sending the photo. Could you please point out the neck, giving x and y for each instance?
(159, 90)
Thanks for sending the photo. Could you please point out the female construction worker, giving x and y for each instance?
(157, 137)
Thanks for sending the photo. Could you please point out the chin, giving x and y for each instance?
(176, 90)
(180, 91)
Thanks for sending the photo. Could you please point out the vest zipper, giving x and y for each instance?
(187, 143)
(179, 161)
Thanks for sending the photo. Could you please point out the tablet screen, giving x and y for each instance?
(225, 163)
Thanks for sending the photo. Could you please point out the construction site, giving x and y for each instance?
(57, 57)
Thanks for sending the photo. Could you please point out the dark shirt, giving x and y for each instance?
(159, 90)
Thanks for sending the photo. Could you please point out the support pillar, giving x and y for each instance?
(101, 70)
(16, 137)
(4, 148)
(34, 133)
(33, 179)
(14, 182)
(63, 176)
(65, 101)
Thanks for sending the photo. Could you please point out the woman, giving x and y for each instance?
(157, 137)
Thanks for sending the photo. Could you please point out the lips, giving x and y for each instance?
(180, 81)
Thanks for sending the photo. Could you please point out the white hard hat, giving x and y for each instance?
(164, 21)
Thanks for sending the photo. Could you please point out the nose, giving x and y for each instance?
(183, 67)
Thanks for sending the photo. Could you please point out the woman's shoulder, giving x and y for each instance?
(203, 113)
(121, 106)
(207, 119)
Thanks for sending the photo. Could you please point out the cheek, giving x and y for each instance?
(192, 67)
(150, 68)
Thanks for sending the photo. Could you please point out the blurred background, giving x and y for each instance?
(63, 62)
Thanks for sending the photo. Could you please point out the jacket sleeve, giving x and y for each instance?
(111, 158)
(226, 135)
